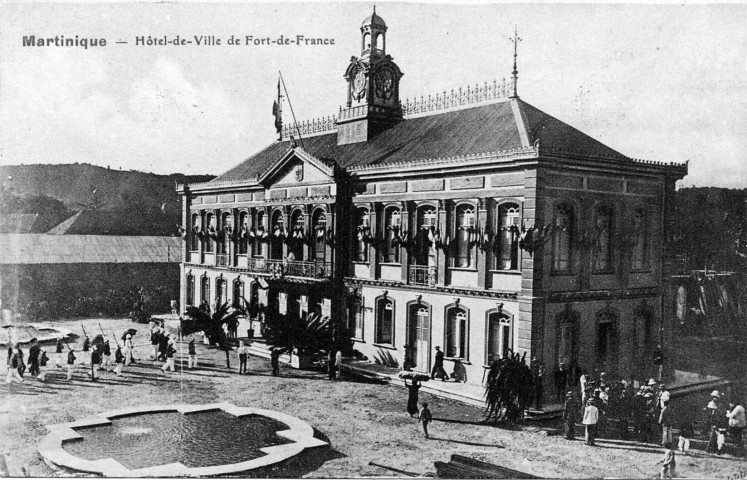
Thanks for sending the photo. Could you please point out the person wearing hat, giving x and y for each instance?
(712, 410)
(438, 366)
(591, 417)
(170, 351)
(569, 416)
(155, 337)
(128, 349)
(95, 360)
(34, 352)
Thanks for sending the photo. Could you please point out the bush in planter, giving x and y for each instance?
(308, 335)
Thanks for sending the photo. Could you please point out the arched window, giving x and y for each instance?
(500, 337)
(298, 229)
(384, 321)
(243, 232)
(238, 293)
(259, 229)
(276, 241)
(366, 41)
(190, 290)
(639, 251)
(567, 328)
(226, 227)
(603, 250)
(562, 241)
(393, 220)
(355, 317)
(363, 227)
(606, 340)
(425, 251)
(456, 332)
(211, 231)
(465, 229)
(194, 239)
(319, 228)
(508, 244)
(205, 289)
(419, 334)
(221, 293)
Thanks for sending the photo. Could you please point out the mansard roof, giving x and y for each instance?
(502, 126)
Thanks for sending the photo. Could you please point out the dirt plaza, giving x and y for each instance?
(363, 421)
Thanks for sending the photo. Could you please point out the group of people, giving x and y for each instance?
(648, 406)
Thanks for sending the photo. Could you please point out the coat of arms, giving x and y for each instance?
(299, 173)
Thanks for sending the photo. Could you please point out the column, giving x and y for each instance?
(481, 224)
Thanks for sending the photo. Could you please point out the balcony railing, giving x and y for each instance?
(221, 260)
(308, 269)
(422, 275)
(280, 268)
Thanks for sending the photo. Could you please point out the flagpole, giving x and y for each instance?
(298, 131)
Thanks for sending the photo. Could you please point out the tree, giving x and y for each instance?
(308, 334)
(509, 388)
(212, 325)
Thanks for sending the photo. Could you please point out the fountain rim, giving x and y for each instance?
(51, 446)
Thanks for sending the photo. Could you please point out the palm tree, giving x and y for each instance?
(212, 325)
(509, 389)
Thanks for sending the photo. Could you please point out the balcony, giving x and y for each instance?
(422, 275)
(281, 268)
(308, 269)
(221, 260)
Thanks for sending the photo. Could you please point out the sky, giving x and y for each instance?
(666, 83)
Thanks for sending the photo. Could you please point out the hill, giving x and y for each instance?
(147, 203)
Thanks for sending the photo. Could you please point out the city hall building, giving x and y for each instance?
(468, 220)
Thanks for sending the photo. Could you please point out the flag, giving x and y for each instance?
(277, 111)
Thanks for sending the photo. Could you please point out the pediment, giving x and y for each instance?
(295, 168)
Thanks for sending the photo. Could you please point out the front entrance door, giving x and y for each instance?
(419, 336)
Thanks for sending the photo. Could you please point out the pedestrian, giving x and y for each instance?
(665, 421)
(34, 351)
(95, 361)
(658, 358)
(106, 355)
(275, 361)
(338, 363)
(687, 432)
(86, 349)
(331, 368)
(118, 360)
(58, 350)
(569, 416)
(669, 462)
(412, 397)
(14, 363)
(43, 360)
(22, 364)
(712, 410)
(170, 352)
(242, 351)
(438, 366)
(70, 363)
(425, 418)
(192, 361)
(591, 417)
(154, 342)
(663, 395)
(128, 349)
(737, 423)
(163, 345)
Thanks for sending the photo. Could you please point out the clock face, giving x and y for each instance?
(384, 83)
(359, 85)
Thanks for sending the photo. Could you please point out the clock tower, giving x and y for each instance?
(373, 87)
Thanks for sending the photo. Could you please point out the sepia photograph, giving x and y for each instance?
(351, 239)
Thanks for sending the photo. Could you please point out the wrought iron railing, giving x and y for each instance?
(280, 268)
(422, 275)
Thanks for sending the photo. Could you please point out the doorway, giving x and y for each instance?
(419, 336)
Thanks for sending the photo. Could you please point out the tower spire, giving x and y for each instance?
(515, 73)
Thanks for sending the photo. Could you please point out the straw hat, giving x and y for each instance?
(715, 394)
(651, 382)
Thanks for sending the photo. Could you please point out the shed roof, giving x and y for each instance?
(30, 249)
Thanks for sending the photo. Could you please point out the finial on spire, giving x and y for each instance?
(515, 73)
(374, 8)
